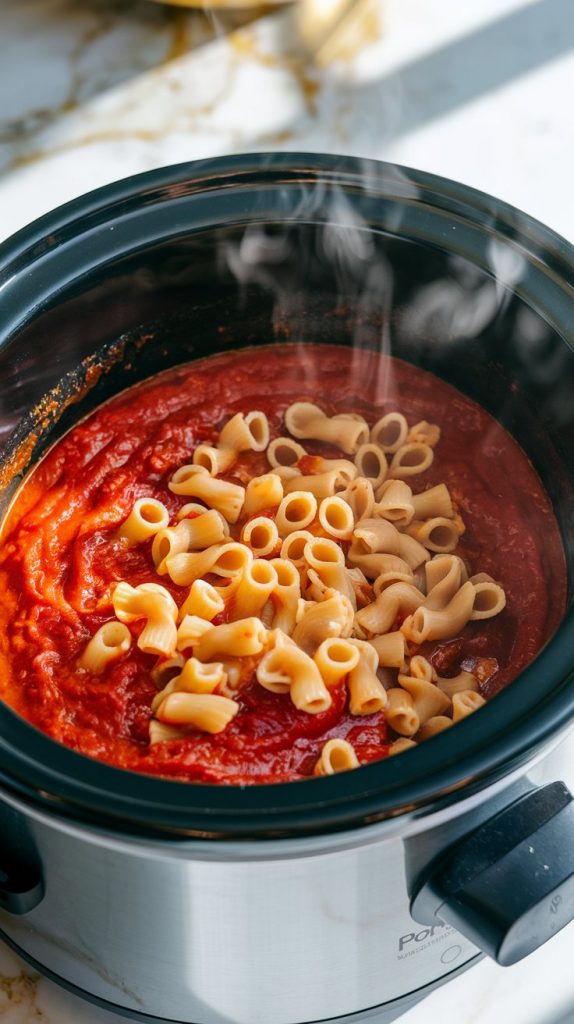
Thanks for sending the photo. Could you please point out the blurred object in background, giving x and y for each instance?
(331, 30)
(325, 30)
(263, 5)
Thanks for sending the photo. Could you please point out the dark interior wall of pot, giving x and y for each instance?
(241, 286)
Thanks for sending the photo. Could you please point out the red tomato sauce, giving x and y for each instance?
(60, 557)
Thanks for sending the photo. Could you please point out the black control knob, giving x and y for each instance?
(21, 887)
(509, 885)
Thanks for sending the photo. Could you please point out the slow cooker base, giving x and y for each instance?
(385, 1013)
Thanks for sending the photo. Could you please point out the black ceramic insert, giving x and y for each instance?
(250, 250)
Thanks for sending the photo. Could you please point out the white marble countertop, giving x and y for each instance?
(92, 90)
(540, 990)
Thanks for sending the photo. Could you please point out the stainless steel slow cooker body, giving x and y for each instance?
(335, 897)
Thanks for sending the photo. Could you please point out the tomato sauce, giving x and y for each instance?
(60, 556)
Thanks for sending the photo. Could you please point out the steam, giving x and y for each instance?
(344, 246)
(430, 318)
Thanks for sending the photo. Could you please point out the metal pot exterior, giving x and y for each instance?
(282, 931)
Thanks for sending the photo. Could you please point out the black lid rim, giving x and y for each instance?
(507, 732)
(235, 170)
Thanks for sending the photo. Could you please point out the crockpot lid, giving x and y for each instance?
(506, 732)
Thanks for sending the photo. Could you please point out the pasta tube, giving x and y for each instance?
(290, 667)
(261, 535)
(433, 726)
(444, 576)
(156, 605)
(330, 618)
(371, 463)
(386, 579)
(293, 547)
(190, 631)
(190, 534)
(428, 700)
(336, 518)
(380, 564)
(390, 649)
(372, 536)
(271, 673)
(145, 519)
(379, 616)
(197, 677)
(286, 473)
(108, 643)
(228, 559)
(296, 511)
(437, 534)
(196, 482)
(413, 553)
(421, 668)
(424, 432)
(316, 464)
(285, 595)
(207, 712)
(390, 432)
(395, 503)
(166, 669)
(434, 502)
(401, 713)
(367, 695)
(326, 558)
(258, 582)
(489, 600)
(305, 420)
(336, 756)
(262, 492)
(335, 658)
(193, 678)
(193, 508)
(161, 733)
(203, 601)
(456, 684)
(284, 451)
(464, 703)
(428, 624)
(360, 496)
(410, 459)
(214, 460)
(165, 543)
(245, 432)
(238, 639)
(322, 485)
(400, 745)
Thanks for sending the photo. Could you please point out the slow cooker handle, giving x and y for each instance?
(21, 887)
(509, 885)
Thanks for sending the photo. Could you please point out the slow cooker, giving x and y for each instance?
(342, 898)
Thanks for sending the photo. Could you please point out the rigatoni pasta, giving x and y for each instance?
(306, 420)
(196, 481)
(367, 695)
(245, 432)
(261, 535)
(298, 594)
(336, 756)
(262, 492)
(146, 518)
(108, 643)
(206, 712)
(367, 573)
